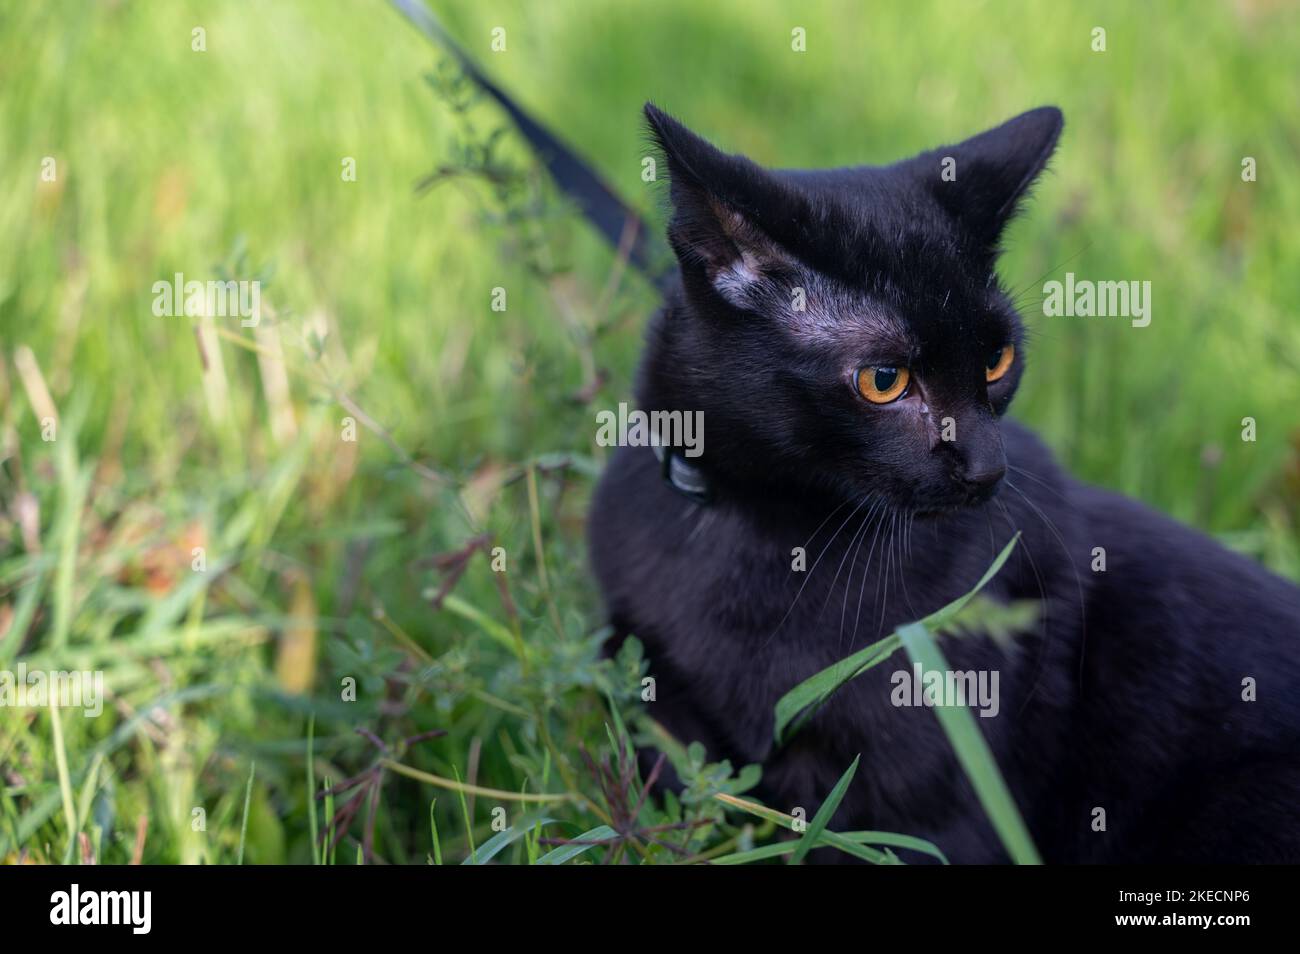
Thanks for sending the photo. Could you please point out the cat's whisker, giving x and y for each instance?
(1034, 477)
(1078, 582)
(866, 571)
(861, 530)
(825, 520)
(1042, 616)
(1038, 282)
(904, 525)
(894, 565)
(808, 576)
(880, 576)
(1024, 544)
(848, 582)
(889, 561)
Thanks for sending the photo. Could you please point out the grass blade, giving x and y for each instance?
(311, 788)
(830, 838)
(973, 753)
(65, 784)
(504, 839)
(464, 811)
(823, 816)
(776, 850)
(433, 832)
(591, 839)
(243, 825)
(798, 705)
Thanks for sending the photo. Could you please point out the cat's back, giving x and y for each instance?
(1158, 568)
(1172, 608)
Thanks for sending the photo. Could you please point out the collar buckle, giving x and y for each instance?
(683, 476)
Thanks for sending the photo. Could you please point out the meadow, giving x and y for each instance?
(332, 567)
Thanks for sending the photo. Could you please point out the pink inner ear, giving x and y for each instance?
(737, 281)
(737, 267)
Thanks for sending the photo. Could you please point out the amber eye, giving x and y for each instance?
(998, 362)
(881, 385)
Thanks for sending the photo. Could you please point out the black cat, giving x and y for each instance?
(845, 336)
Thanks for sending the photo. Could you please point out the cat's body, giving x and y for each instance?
(1130, 698)
(1142, 717)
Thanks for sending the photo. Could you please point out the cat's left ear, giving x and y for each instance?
(731, 219)
(981, 181)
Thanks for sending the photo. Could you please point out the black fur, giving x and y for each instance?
(1128, 697)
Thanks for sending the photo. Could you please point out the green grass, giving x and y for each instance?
(318, 550)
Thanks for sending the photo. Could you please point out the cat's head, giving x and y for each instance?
(845, 328)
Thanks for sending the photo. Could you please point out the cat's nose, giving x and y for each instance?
(979, 468)
(980, 476)
(985, 479)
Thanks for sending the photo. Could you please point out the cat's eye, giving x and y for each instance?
(998, 362)
(883, 384)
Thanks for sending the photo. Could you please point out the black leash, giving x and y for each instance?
(610, 216)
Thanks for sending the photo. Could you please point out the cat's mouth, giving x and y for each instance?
(938, 513)
(962, 500)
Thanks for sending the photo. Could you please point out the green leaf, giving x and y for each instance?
(567, 852)
(433, 832)
(485, 623)
(311, 788)
(973, 753)
(756, 854)
(896, 840)
(799, 704)
(243, 825)
(830, 838)
(503, 839)
(747, 778)
(779, 848)
(823, 816)
(1001, 622)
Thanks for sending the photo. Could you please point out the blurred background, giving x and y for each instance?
(282, 612)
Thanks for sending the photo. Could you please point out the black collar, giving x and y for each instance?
(681, 475)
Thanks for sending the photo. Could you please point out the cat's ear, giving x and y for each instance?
(725, 208)
(981, 181)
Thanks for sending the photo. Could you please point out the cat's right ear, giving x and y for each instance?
(982, 181)
(724, 210)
